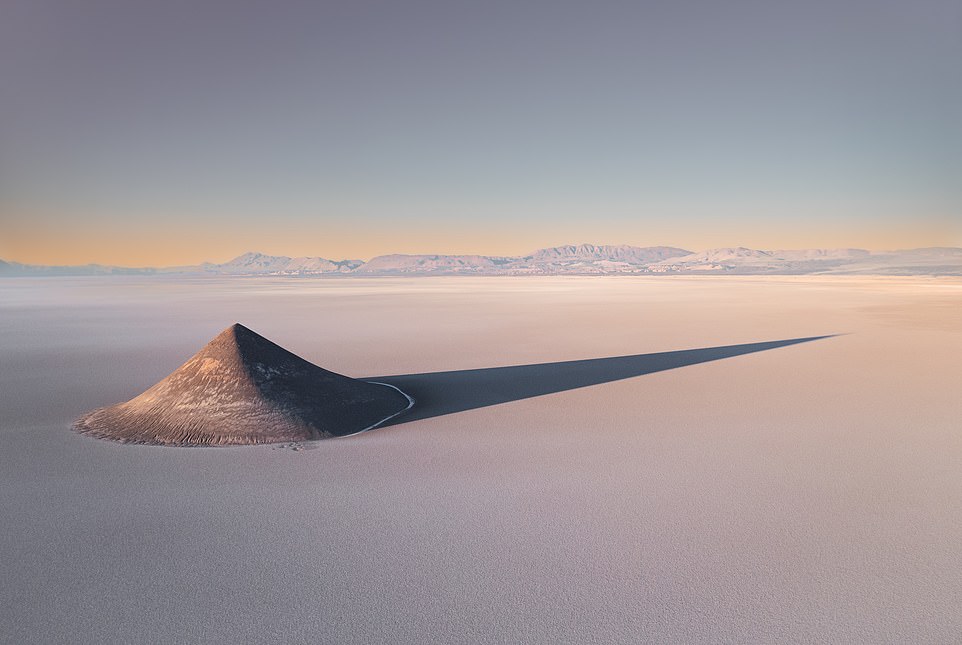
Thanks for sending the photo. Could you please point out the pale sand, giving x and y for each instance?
(811, 492)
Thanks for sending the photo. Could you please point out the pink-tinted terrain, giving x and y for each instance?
(793, 490)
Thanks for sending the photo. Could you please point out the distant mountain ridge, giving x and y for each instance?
(620, 253)
(398, 263)
(571, 259)
(258, 263)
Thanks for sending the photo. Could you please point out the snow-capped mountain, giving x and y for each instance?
(820, 254)
(744, 260)
(401, 264)
(258, 263)
(582, 259)
(613, 253)
(727, 254)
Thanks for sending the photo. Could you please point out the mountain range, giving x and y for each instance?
(582, 259)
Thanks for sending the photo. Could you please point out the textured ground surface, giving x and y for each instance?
(809, 492)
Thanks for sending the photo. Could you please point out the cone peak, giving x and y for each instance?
(237, 330)
(246, 344)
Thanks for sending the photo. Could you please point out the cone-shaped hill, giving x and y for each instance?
(243, 389)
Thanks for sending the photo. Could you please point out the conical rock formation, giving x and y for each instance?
(243, 389)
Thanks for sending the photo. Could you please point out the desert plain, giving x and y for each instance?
(810, 492)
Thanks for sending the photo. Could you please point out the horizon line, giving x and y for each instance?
(483, 255)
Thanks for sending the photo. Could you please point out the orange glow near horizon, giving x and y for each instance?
(51, 241)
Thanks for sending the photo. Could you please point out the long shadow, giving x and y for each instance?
(439, 393)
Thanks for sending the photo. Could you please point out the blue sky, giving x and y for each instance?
(180, 131)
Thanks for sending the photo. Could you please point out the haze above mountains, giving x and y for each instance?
(583, 259)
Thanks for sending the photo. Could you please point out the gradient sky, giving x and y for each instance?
(150, 133)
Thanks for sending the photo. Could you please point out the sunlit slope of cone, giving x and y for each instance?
(243, 389)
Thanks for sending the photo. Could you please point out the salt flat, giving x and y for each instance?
(810, 492)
